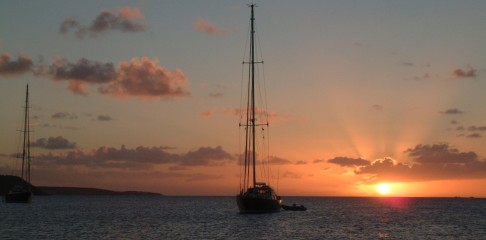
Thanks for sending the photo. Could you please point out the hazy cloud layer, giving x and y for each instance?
(137, 158)
(9, 67)
(430, 162)
(124, 19)
(53, 143)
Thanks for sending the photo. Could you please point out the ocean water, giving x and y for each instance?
(154, 217)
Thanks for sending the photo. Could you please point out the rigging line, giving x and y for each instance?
(28, 145)
(247, 136)
(262, 102)
(239, 153)
(265, 93)
(268, 147)
(265, 102)
(243, 71)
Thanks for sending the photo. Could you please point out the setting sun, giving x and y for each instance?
(383, 189)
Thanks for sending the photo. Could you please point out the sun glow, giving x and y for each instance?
(383, 188)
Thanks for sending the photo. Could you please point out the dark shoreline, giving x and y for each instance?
(8, 181)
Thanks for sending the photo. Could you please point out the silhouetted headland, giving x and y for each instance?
(7, 182)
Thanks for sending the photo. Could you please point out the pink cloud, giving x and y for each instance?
(203, 25)
(145, 78)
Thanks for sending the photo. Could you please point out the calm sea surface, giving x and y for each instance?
(149, 217)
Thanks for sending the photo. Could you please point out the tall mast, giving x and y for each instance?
(28, 136)
(252, 65)
(25, 148)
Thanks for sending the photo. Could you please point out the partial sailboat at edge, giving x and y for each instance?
(22, 192)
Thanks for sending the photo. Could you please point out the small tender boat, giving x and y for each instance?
(294, 207)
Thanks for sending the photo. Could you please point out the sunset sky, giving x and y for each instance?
(143, 95)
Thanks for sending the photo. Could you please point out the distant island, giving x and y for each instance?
(7, 182)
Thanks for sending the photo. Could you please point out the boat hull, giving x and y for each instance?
(257, 205)
(19, 197)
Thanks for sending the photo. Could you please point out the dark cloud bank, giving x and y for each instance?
(430, 162)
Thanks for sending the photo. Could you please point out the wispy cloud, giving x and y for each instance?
(64, 115)
(204, 25)
(207, 113)
(451, 111)
(289, 174)
(378, 107)
(474, 135)
(469, 72)
(215, 95)
(10, 67)
(124, 19)
(278, 161)
(104, 118)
